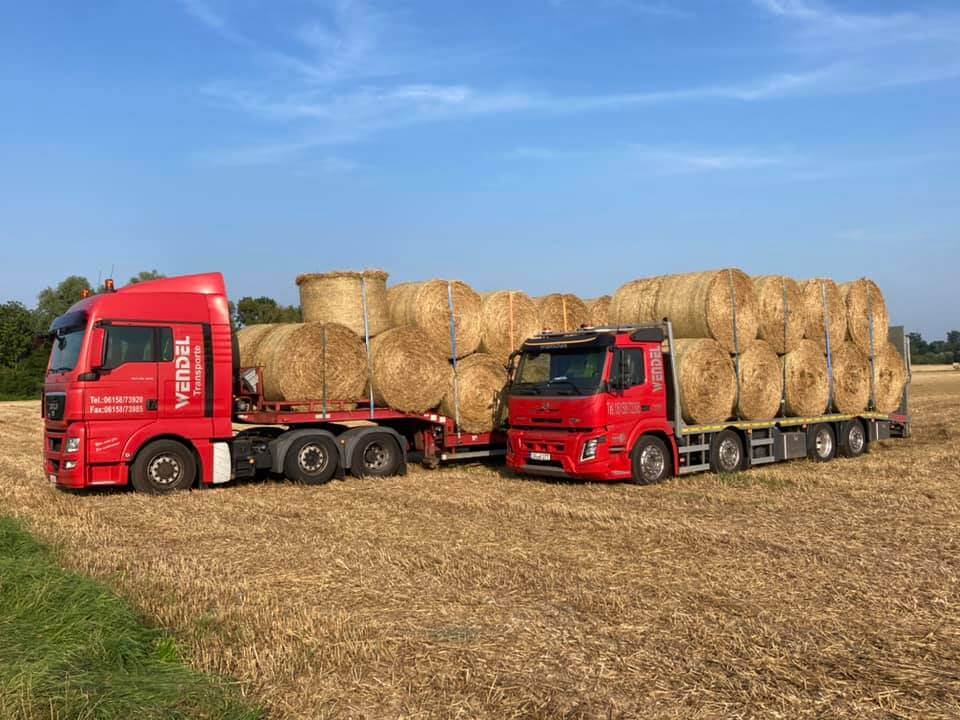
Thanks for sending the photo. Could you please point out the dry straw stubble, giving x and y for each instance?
(508, 318)
(703, 305)
(635, 303)
(426, 305)
(862, 299)
(480, 378)
(338, 297)
(708, 381)
(806, 384)
(781, 312)
(761, 382)
(822, 301)
(409, 373)
(562, 312)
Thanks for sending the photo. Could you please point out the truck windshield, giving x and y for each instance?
(66, 348)
(560, 372)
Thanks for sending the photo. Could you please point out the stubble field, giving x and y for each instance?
(798, 590)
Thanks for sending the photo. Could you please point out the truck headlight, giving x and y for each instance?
(73, 444)
(590, 448)
(69, 464)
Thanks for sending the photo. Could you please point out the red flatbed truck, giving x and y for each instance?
(604, 404)
(144, 388)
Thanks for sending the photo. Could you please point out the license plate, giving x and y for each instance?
(52, 478)
(539, 456)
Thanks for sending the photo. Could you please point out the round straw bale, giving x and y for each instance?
(701, 305)
(862, 297)
(508, 318)
(889, 377)
(761, 382)
(249, 339)
(337, 297)
(708, 382)
(851, 378)
(806, 387)
(635, 303)
(480, 380)
(409, 373)
(561, 312)
(271, 355)
(781, 312)
(316, 360)
(814, 311)
(425, 305)
(597, 310)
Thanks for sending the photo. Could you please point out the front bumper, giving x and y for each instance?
(526, 451)
(62, 468)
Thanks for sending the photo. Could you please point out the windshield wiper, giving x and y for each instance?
(525, 389)
(567, 382)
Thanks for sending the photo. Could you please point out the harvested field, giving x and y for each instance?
(796, 591)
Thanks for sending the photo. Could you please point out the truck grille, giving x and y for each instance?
(54, 405)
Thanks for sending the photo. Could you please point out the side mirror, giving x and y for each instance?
(97, 348)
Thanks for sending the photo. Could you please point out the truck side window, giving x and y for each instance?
(128, 344)
(628, 370)
(165, 344)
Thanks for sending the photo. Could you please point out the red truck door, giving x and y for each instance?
(124, 399)
(184, 382)
(632, 395)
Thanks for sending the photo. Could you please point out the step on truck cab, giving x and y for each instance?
(604, 404)
(144, 387)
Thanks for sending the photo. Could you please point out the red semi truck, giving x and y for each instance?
(144, 388)
(604, 404)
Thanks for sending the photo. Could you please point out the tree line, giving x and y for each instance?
(937, 351)
(25, 345)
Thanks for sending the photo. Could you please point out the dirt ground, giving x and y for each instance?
(793, 591)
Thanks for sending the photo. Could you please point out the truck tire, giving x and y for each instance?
(376, 455)
(311, 460)
(726, 452)
(651, 461)
(853, 439)
(821, 443)
(163, 466)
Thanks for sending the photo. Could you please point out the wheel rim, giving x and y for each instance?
(376, 456)
(312, 458)
(824, 443)
(856, 438)
(165, 470)
(651, 462)
(729, 454)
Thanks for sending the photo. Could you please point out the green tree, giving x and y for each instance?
(953, 339)
(253, 311)
(145, 275)
(54, 301)
(17, 332)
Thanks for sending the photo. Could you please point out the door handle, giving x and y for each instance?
(644, 408)
(151, 404)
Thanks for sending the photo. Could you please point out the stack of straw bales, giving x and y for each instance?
(747, 348)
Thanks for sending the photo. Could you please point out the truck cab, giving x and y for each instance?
(148, 366)
(592, 404)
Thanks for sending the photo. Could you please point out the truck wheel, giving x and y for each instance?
(821, 443)
(376, 455)
(651, 461)
(853, 439)
(311, 460)
(726, 452)
(163, 466)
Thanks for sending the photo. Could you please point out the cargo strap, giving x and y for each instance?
(786, 335)
(826, 337)
(513, 331)
(453, 352)
(323, 355)
(563, 304)
(873, 350)
(366, 340)
(736, 339)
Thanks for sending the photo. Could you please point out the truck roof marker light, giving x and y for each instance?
(84, 294)
(108, 285)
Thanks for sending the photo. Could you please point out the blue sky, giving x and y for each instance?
(544, 145)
